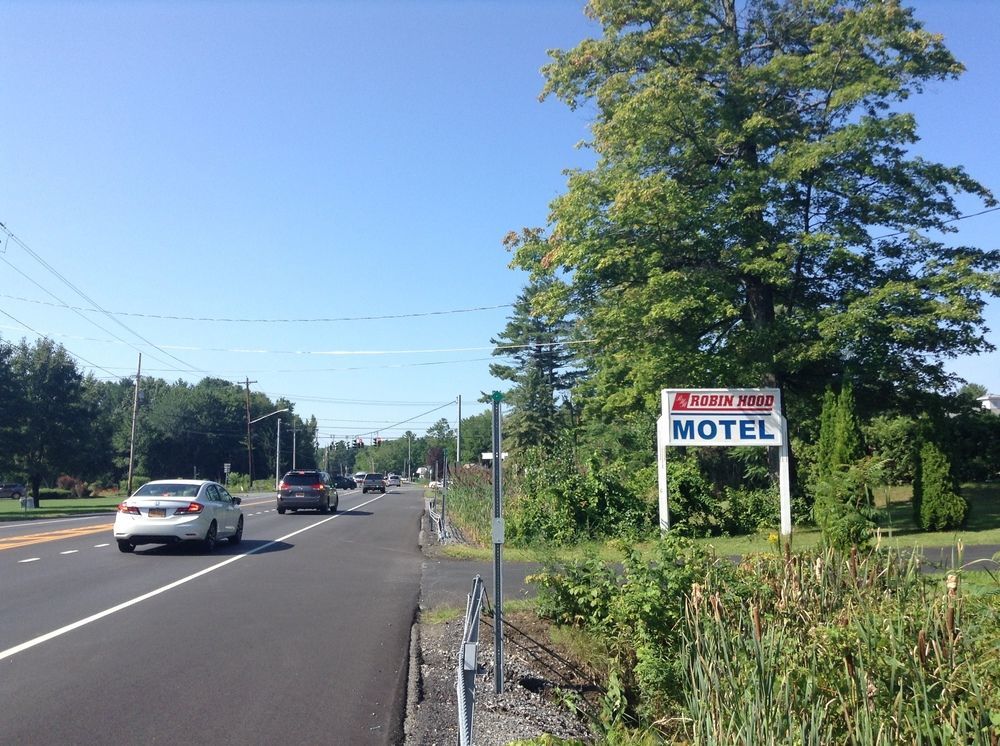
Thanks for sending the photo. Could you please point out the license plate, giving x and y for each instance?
(300, 494)
(157, 512)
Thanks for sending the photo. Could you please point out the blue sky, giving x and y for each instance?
(323, 160)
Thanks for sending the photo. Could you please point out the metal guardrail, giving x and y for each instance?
(437, 518)
(465, 679)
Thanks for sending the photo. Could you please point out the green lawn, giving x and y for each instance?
(11, 510)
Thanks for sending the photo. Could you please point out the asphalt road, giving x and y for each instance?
(298, 634)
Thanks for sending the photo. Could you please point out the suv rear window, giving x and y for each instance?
(373, 475)
(303, 479)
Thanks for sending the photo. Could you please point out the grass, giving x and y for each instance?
(11, 510)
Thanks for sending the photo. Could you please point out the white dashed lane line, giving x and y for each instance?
(30, 559)
(98, 546)
(70, 551)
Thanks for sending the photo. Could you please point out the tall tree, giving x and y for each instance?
(55, 423)
(754, 216)
(541, 367)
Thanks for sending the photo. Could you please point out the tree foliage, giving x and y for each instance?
(754, 216)
(541, 368)
(940, 504)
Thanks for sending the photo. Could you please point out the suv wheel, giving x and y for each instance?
(281, 510)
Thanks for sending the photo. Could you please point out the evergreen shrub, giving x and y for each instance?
(941, 505)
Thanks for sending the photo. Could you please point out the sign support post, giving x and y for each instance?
(498, 539)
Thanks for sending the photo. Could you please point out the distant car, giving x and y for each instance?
(359, 477)
(13, 490)
(392, 480)
(309, 489)
(168, 511)
(373, 483)
(344, 483)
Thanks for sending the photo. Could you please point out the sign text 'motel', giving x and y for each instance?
(725, 417)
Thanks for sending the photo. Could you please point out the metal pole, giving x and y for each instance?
(458, 435)
(293, 443)
(135, 410)
(249, 441)
(277, 458)
(498, 537)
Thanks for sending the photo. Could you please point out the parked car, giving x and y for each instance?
(309, 489)
(168, 511)
(392, 480)
(13, 490)
(373, 483)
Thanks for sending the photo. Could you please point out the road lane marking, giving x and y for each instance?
(98, 546)
(16, 542)
(70, 551)
(30, 559)
(10, 652)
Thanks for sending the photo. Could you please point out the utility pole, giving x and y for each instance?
(458, 436)
(294, 430)
(249, 441)
(277, 458)
(135, 411)
(409, 470)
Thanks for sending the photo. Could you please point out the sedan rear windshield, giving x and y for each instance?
(302, 479)
(167, 490)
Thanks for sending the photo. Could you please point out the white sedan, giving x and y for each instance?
(171, 510)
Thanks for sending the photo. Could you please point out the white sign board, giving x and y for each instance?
(722, 417)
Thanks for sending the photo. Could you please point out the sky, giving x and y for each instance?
(312, 196)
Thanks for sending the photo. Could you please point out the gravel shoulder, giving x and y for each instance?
(534, 673)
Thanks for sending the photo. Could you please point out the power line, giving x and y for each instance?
(943, 222)
(78, 291)
(414, 315)
(74, 355)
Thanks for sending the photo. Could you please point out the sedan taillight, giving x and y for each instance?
(131, 509)
(189, 508)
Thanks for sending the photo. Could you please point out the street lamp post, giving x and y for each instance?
(250, 434)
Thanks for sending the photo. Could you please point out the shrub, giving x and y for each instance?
(941, 506)
(843, 507)
(891, 440)
(77, 487)
(551, 499)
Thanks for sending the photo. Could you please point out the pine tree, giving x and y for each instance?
(542, 369)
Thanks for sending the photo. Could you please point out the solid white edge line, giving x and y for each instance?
(9, 652)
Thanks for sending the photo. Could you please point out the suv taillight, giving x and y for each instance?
(319, 486)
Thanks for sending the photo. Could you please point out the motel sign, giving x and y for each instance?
(722, 417)
(747, 417)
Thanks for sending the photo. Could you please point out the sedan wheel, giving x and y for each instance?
(125, 546)
(208, 543)
(238, 536)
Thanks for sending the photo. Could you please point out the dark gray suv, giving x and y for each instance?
(307, 489)
(373, 483)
